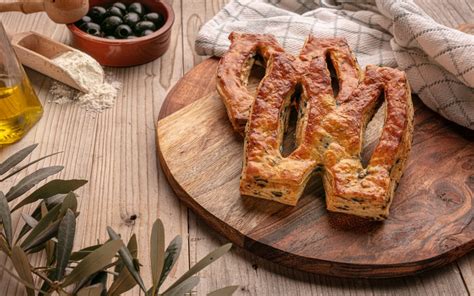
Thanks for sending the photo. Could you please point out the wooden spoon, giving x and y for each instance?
(37, 51)
(60, 11)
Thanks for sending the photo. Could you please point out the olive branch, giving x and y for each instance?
(51, 229)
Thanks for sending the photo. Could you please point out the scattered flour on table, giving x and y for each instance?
(88, 73)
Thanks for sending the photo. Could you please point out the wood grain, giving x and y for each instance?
(429, 224)
(92, 143)
(114, 150)
(260, 277)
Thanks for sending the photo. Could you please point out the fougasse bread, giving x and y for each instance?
(329, 129)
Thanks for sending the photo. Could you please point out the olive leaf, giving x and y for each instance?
(26, 166)
(93, 262)
(4, 245)
(31, 180)
(79, 255)
(30, 221)
(35, 215)
(51, 227)
(171, 257)
(67, 230)
(69, 202)
(211, 257)
(22, 266)
(51, 189)
(50, 248)
(25, 283)
(55, 199)
(157, 253)
(132, 246)
(127, 259)
(42, 224)
(16, 158)
(94, 290)
(49, 232)
(227, 291)
(183, 287)
(6, 218)
(100, 278)
(123, 283)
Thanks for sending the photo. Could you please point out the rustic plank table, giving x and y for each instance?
(115, 151)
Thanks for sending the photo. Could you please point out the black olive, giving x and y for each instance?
(91, 28)
(143, 26)
(83, 20)
(110, 23)
(146, 32)
(131, 19)
(110, 37)
(131, 37)
(154, 17)
(114, 11)
(137, 7)
(86, 19)
(123, 31)
(120, 5)
(97, 13)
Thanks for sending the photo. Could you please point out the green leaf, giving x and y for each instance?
(42, 224)
(93, 262)
(123, 283)
(26, 284)
(94, 290)
(211, 257)
(157, 253)
(132, 246)
(4, 245)
(100, 278)
(50, 232)
(171, 257)
(184, 287)
(16, 158)
(22, 266)
(31, 180)
(26, 166)
(67, 230)
(30, 221)
(50, 189)
(50, 248)
(54, 200)
(127, 259)
(26, 228)
(69, 202)
(227, 291)
(79, 255)
(6, 218)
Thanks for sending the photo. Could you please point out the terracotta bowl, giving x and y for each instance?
(127, 52)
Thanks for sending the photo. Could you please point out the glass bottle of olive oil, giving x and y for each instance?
(20, 108)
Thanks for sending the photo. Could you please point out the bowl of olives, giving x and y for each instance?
(124, 33)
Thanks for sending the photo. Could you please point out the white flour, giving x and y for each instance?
(88, 73)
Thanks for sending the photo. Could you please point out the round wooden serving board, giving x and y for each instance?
(430, 222)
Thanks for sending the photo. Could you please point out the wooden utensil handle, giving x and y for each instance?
(25, 7)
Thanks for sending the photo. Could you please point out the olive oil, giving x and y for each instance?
(20, 109)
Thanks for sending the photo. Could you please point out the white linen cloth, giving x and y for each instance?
(438, 60)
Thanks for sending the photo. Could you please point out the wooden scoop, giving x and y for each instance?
(59, 11)
(37, 51)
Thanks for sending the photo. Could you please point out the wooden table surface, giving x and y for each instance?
(115, 151)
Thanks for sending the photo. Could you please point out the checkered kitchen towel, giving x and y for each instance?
(438, 60)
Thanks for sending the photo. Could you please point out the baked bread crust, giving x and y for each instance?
(234, 70)
(329, 129)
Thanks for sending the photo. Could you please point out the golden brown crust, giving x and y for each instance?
(234, 69)
(329, 130)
